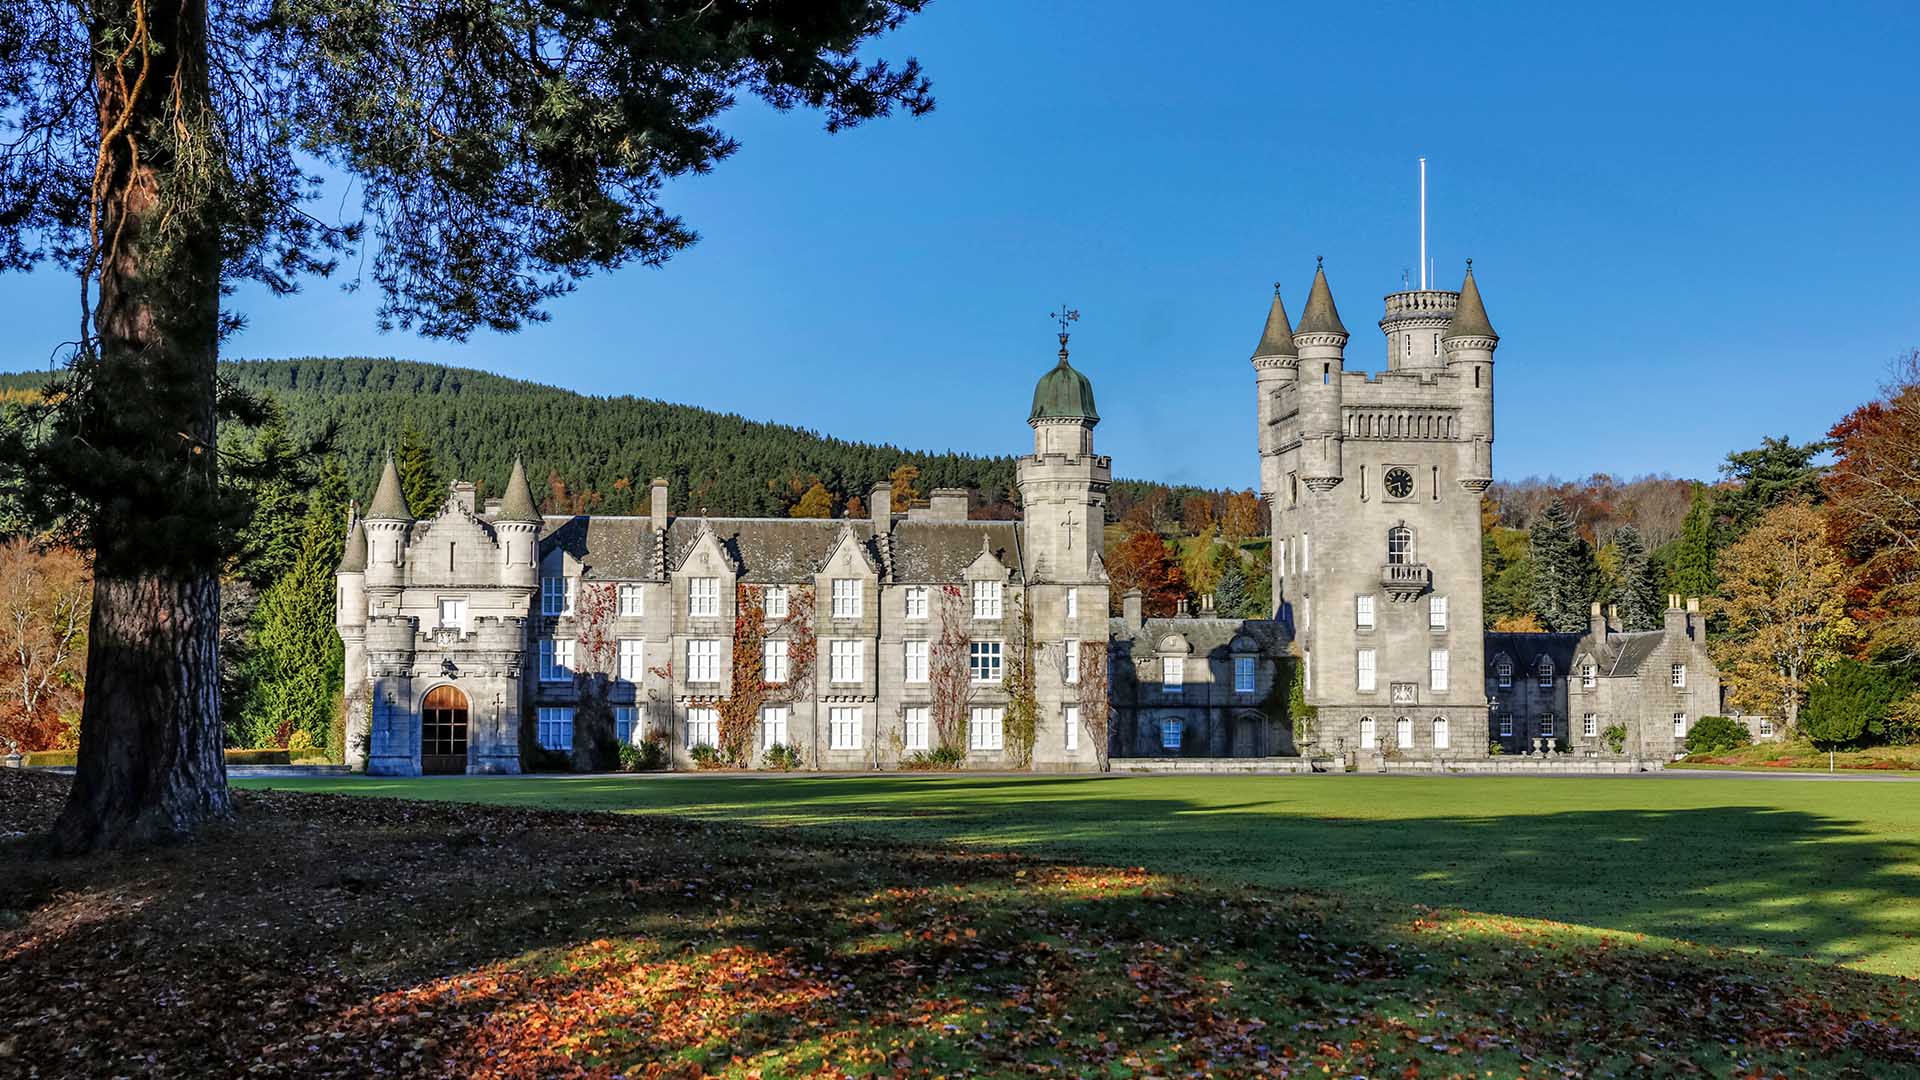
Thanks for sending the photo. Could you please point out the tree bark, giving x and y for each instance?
(150, 763)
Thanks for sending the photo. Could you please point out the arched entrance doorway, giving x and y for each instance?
(443, 731)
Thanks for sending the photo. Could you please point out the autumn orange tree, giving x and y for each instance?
(43, 620)
(1144, 561)
(1783, 602)
(1873, 513)
(166, 152)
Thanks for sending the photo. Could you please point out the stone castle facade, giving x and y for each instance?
(467, 635)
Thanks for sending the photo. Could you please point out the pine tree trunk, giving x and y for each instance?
(150, 764)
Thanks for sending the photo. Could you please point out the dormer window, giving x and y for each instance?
(986, 599)
(1589, 675)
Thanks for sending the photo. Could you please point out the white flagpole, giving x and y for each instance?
(1423, 223)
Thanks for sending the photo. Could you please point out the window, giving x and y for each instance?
(1440, 736)
(1364, 676)
(1306, 615)
(1171, 733)
(453, 614)
(556, 660)
(703, 727)
(703, 660)
(846, 661)
(1679, 675)
(625, 717)
(1070, 721)
(773, 726)
(1363, 612)
(1506, 724)
(1438, 664)
(916, 661)
(986, 599)
(1070, 650)
(1367, 734)
(985, 728)
(1503, 673)
(1306, 552)
(1363, 483)
(632, 660)
(1544, 728)
(843, 728)
(1306, 671)
(846, 598)
(983, 661)
(914, 719)
(556, 596)
(774, 603)
(703, 596)
(1545, 672)
(1437, 613)
(556, 729)
(1679, 725)
(916, 601)
(633, 601)
(1590, 725)
(773, 660)
(1073, 603)
(1173, 675)
(1766, 726)
(1403, 733)
(1243, 674)
(1589, 675)
(1282, 560)
(1399, 545)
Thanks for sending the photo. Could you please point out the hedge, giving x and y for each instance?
(46, 758)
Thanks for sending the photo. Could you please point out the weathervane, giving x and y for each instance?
(1065, 316)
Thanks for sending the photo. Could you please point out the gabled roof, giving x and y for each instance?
(941, 551)
(615, 548)
(1623, 654)
(1526, 649)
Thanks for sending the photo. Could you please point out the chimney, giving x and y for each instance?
(880, 505)
(657, 504)
(1597, 624)
(1206, 604)
(1130, 610)
(1693, 617)
(1613, 618)
(463, 494)
(493, 508)
(947, 504)
(1676, 618)
(1180, 608)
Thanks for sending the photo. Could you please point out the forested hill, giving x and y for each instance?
(604, 450)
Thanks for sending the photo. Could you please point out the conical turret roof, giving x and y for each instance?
(354, 559)
(388, 503)
(1320, 316)
(1469, 315)
(516, 503)
(1277, 338)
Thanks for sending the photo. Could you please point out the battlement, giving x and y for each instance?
(1420, 304)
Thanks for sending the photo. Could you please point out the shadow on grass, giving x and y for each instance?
(348, 937)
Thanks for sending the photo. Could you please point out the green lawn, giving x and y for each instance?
(1829, 871)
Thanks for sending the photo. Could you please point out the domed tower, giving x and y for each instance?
(1468, 343)
(517, 524)
(1321, 340)
(350, 619)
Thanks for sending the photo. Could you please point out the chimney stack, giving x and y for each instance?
(1613, 618)
(464, 494)
(1597, 623)
(880, 505)
(1676, 617)
(1130, 610)
(657, 504)
(947, 504)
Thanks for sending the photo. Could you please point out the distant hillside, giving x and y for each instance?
(607, 446)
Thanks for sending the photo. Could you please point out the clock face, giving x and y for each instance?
(1399, 483)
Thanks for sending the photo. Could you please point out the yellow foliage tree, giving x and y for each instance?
(902, 478)
(1782, 597)
(816, 503)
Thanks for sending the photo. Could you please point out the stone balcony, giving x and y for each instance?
(1404, 581)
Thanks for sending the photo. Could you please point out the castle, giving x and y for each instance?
(476, 640)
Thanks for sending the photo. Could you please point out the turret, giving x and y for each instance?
(1276, 363)
(1063, 486)
(1469, 342)
(517, 524)
(1063, 416)
(1321, 340)
(350, 619)
(387, 525)
(350, 609)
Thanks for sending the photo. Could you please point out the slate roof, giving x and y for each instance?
(517, 503)
(1209, 636)
(615, 548)
(1526, 650)
(1470, 315)
(354, 559)
(1277, 338)
(1320, 316)
(388, 503)
(938, 551)
(1622, 654)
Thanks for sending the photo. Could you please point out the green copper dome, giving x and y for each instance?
(1063, 394)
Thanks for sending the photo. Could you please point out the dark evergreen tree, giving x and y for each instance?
(1694, 553)
(273, 534)
(1848, 704)
(1774, 472)
(166, 152)
(422, 480)
(1233, 596)
(1564, 572)
(1635, 590)
(294, 662)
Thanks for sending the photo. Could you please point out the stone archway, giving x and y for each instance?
(443, 731)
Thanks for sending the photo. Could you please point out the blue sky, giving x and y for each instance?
(1694, 225)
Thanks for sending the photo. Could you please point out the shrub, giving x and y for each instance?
(1850, 701)
(300, 742)
(706, 757)
(45, 758)
(540, 759)
(1614, 737)
(942, 758)
(650, 756)
(1713, 734)
(782, 757)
